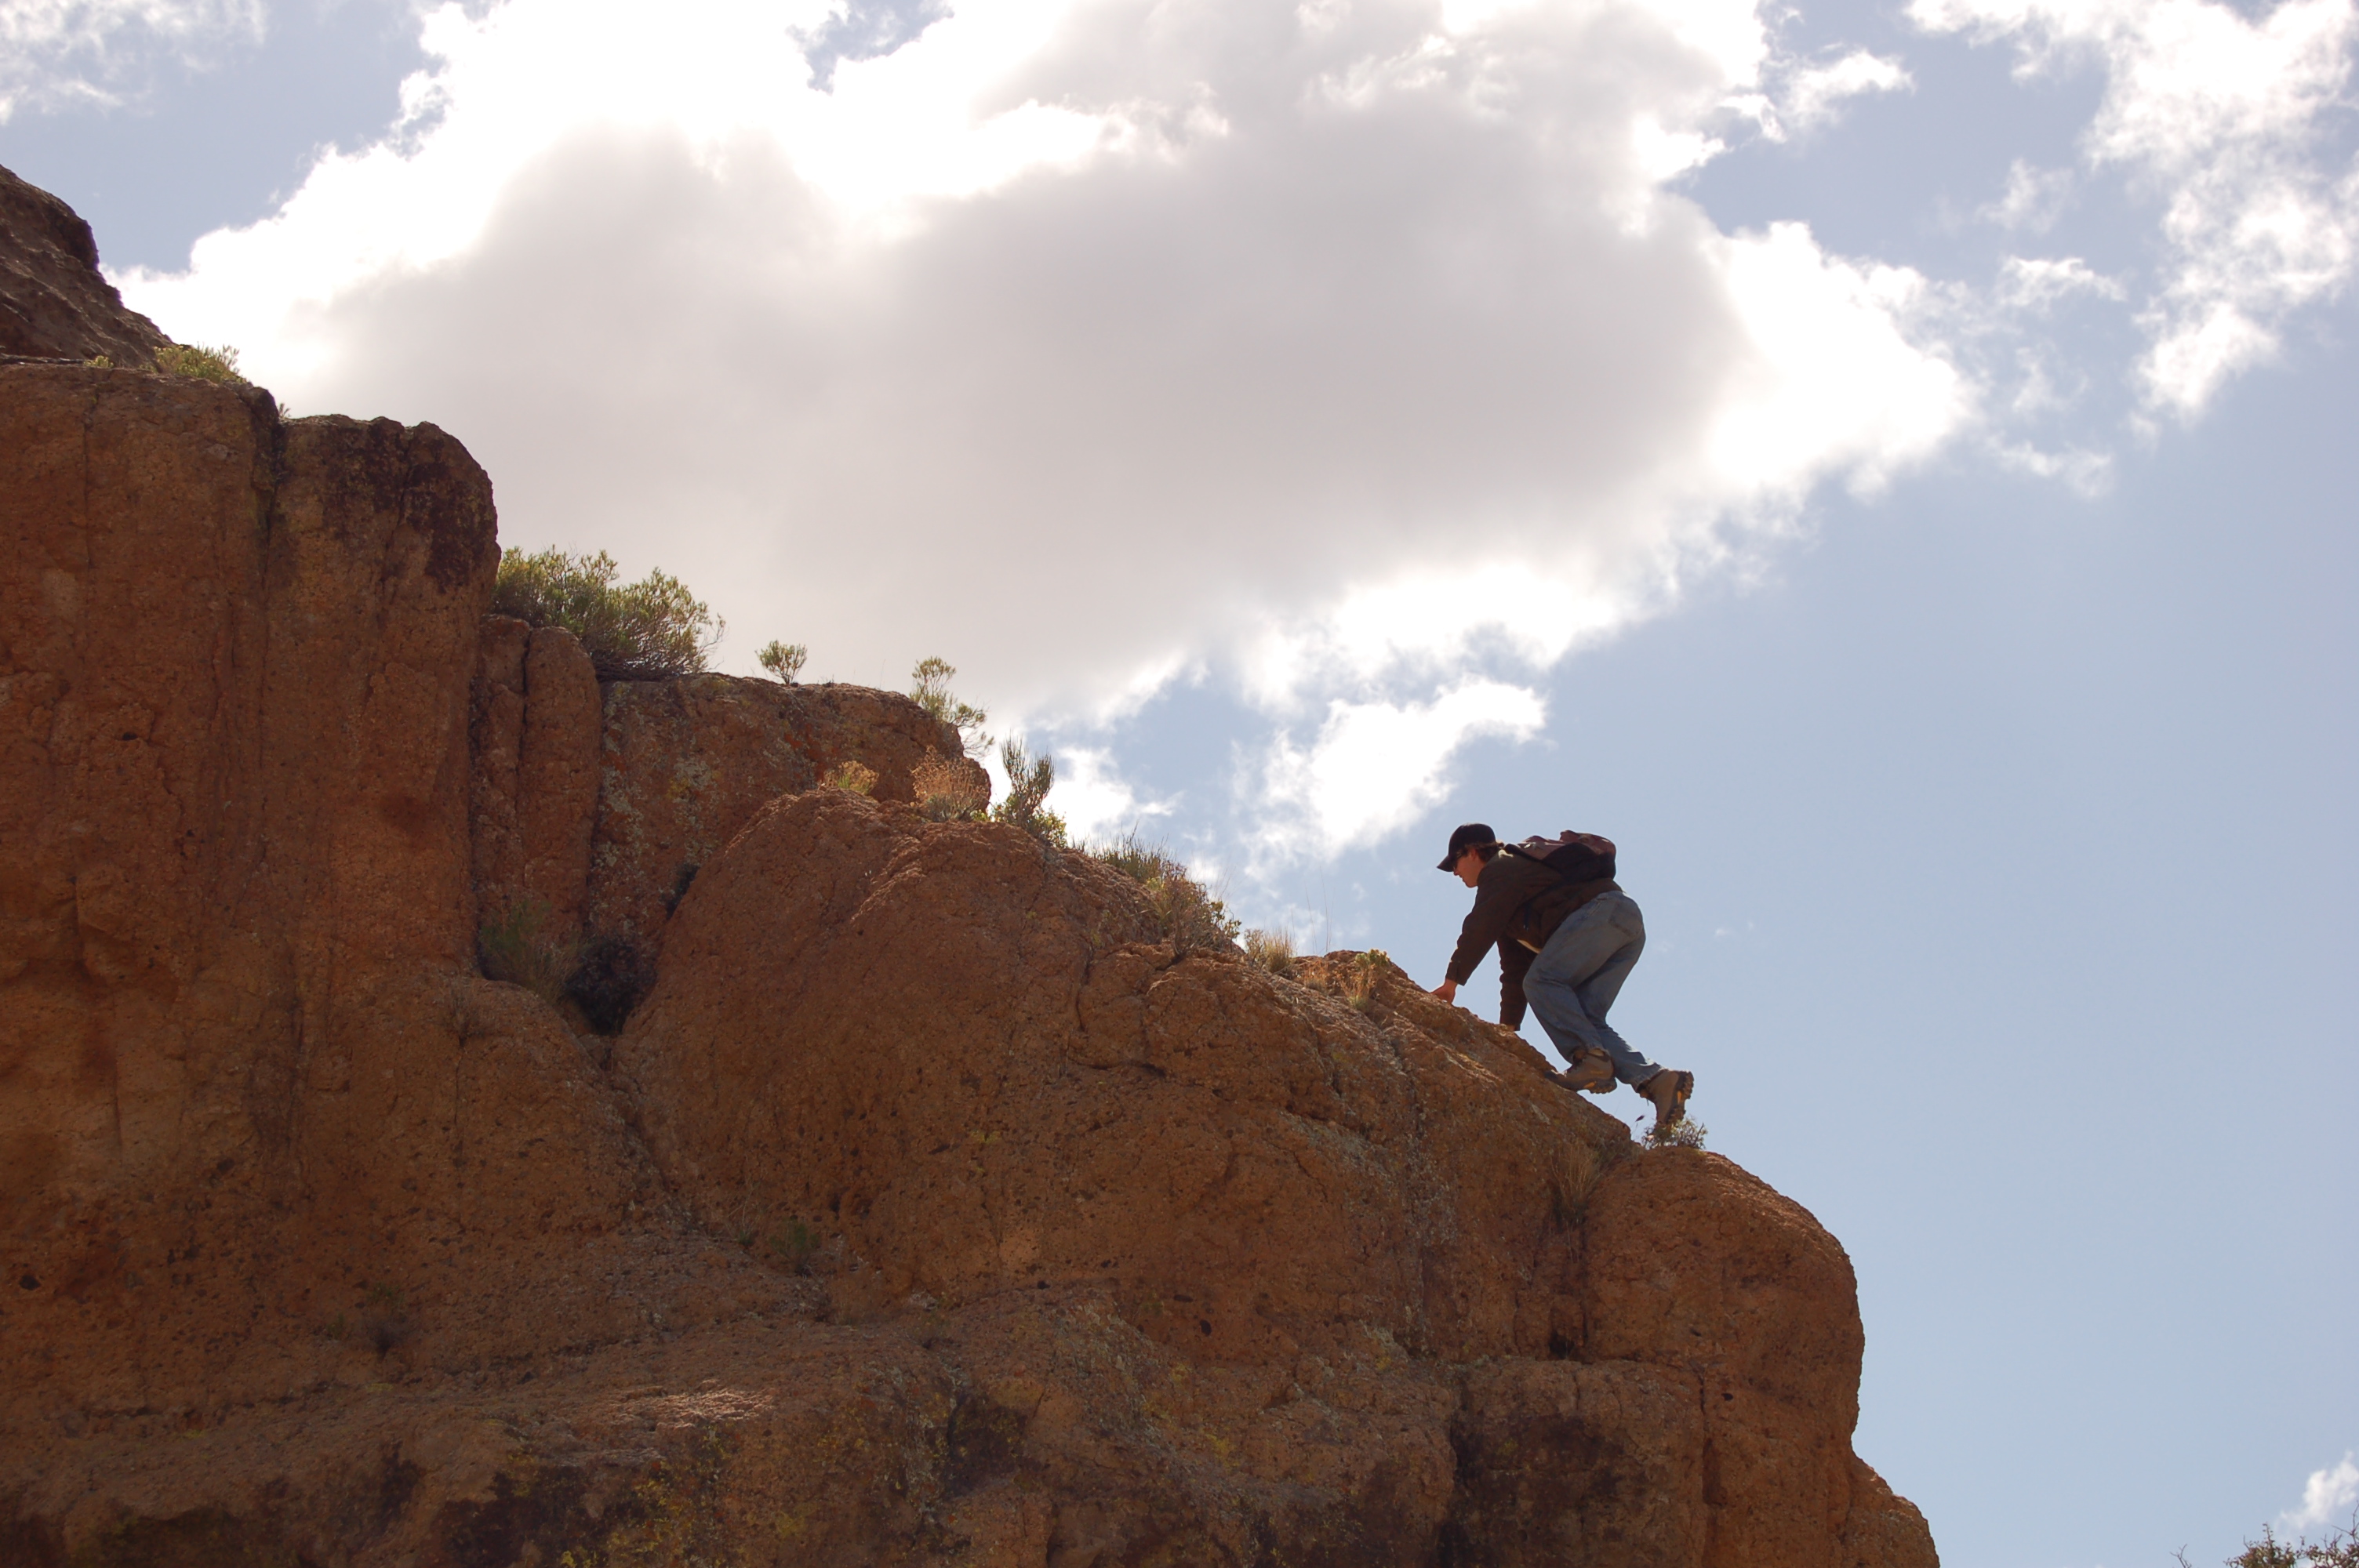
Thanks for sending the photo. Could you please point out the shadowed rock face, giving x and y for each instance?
(933, 1210)
(601, 804)
(54, 304)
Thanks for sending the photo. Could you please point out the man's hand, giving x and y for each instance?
(1447, 990)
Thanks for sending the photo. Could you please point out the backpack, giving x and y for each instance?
(1575, 857)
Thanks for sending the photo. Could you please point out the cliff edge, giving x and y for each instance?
(935, 1205)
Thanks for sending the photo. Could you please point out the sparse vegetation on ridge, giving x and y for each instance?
(1687, 1132)
(1029, 779)
(930, 684)
(200, 363)
(783, 660)
(650, 630)
(1273, 950)
(1187, 915)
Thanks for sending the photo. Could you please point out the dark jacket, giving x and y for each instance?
(1518, 904)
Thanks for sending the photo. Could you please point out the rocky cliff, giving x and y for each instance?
(53, 302)
(933, 1207)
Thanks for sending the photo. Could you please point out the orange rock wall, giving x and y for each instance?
(248, 1078)
(599, 804)
(934, 1208)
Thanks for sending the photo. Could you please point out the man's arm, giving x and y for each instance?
(1498, 893)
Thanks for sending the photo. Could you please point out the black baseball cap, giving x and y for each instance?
(1464, 837)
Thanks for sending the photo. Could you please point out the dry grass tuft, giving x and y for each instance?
(947, 791)
(1184, 913)
(1273, 950)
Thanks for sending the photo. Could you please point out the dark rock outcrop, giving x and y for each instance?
(54, 302)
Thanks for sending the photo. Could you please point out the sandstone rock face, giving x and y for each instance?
(599, 804)
(54, 303)
(685, 764)
(934, 1209)
(256, 1108)
(536, 737)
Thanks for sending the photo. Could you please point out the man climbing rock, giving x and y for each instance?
(1567, 936)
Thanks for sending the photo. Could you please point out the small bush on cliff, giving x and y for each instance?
(1273, 950)
(1029, 779)
(650, 630)
(1187, 915)
(930, 683)
(857, 777)
(1687, 1132)
(783, 660)
(1360, 988)
(945, 791)
(515, 947)
(200, 363)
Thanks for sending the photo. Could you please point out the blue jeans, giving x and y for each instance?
(1577, 976)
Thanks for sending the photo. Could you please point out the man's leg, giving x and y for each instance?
(1577, 976)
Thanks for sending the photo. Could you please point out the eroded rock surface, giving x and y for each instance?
(54, 302)
(599, 804)
(934, 1208)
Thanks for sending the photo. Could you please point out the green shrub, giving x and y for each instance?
(929, 684)
(1273, 950)
(1184, 912)
(650, 630)
(857, 777)
(1687, 1132)
(1360, 988)
(783, 660)
(1029, 779)
(515, 947)
(200, 363)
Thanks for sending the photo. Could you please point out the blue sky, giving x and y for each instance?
(1885, 467)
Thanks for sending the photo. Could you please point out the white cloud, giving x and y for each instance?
(1335, 351)
(1813, 92)
(2034, 199)
(2223, 116)
(2037, 282)
(59, 51)
(1095, 801)
(1135, 328)
(1373, 767)
(2328, 1498)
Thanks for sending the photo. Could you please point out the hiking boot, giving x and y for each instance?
(1591, 1070)
(1668, 1091)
